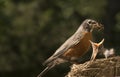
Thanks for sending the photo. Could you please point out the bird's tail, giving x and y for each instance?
(45, 70)
(51, 65)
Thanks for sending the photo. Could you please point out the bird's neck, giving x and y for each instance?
(81, 30)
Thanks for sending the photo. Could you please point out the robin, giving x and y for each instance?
(97, 47)
(75, 47)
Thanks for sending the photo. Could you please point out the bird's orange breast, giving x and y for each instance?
(79, 49)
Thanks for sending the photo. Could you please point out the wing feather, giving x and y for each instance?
(72, 41)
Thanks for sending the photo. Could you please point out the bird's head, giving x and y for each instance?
(89, 25)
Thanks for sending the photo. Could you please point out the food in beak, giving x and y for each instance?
(99, 26)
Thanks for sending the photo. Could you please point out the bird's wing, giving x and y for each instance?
(72, 41)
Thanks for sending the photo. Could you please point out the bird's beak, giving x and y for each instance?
(101, 42)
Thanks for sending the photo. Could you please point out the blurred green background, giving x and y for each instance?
(31, 31)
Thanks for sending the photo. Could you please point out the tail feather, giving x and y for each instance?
(50, 64)
(45, 70)
(49, 60)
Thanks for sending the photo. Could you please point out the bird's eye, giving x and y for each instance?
(89, 22)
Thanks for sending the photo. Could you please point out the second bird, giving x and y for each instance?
(75, 47)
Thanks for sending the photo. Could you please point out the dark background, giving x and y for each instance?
(31, 31)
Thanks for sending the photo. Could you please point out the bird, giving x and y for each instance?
(109, 52)
(97, 48)
(74, 47)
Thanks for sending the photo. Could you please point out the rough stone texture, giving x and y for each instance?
(100, 68)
